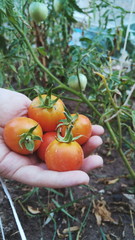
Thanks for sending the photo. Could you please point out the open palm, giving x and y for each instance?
(28, 169)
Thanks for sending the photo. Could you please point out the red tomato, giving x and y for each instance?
(46, 140)
(18, 128)
(82, 126)
(48, 118)
(60, 156)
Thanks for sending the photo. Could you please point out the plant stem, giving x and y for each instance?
(130, 169)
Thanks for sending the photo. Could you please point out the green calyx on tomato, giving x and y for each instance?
(27, 139)
(48, 102)
(81, 126)
(68, 135)
(69, 120)
(38, 11)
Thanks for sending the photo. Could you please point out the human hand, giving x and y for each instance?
(28, 169)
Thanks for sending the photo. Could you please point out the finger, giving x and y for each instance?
(38, 177)
(97, 130)
(91, 145)
(92, 162)
(18, 107)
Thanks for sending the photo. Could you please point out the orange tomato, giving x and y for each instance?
(46, 140)
(82, 126)
(18, 128)
(48, 118)
(60, 156)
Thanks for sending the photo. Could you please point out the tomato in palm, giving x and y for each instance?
(82, 126)
(62, 156)
(23, 135)
(47, 112)
(47, 138)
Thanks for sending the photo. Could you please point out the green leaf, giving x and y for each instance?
(75, 6)
(13, 68)
(133, 118)
(70, 18)
(62, 209)
(87, 40)
(41, 50)
(1, 79)
(27, 78)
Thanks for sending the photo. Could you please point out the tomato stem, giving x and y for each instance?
(69, 119)
(68, 135)
(47, 102)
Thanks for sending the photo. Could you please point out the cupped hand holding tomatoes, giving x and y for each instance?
(27, 169)
(23, 135)
(47, 111)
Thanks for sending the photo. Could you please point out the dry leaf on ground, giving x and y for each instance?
(101, 213)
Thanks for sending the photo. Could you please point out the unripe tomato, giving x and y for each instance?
(82, 126)
(23, 135)
(48, 118)
(38, 11)
(61, 156)
(46, 140)
(73, 82)
(58, 5)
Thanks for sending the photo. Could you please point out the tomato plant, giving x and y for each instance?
(23, 135)
(77, 83)
(38, 11)
(81, 126)
(64, 154)
(47, 111)
(46, 140)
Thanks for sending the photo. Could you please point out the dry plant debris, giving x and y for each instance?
(101, 212)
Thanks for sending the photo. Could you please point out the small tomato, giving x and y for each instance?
(46, 140)
(23, 135)
(73, 82)
(38, 11)
(47, 114)
(81, 126)
(61, 156)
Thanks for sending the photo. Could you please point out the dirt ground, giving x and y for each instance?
(103, 210)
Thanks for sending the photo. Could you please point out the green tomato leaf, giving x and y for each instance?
(42, 51)
(75, 6)
(1, 79)
(133, 118)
